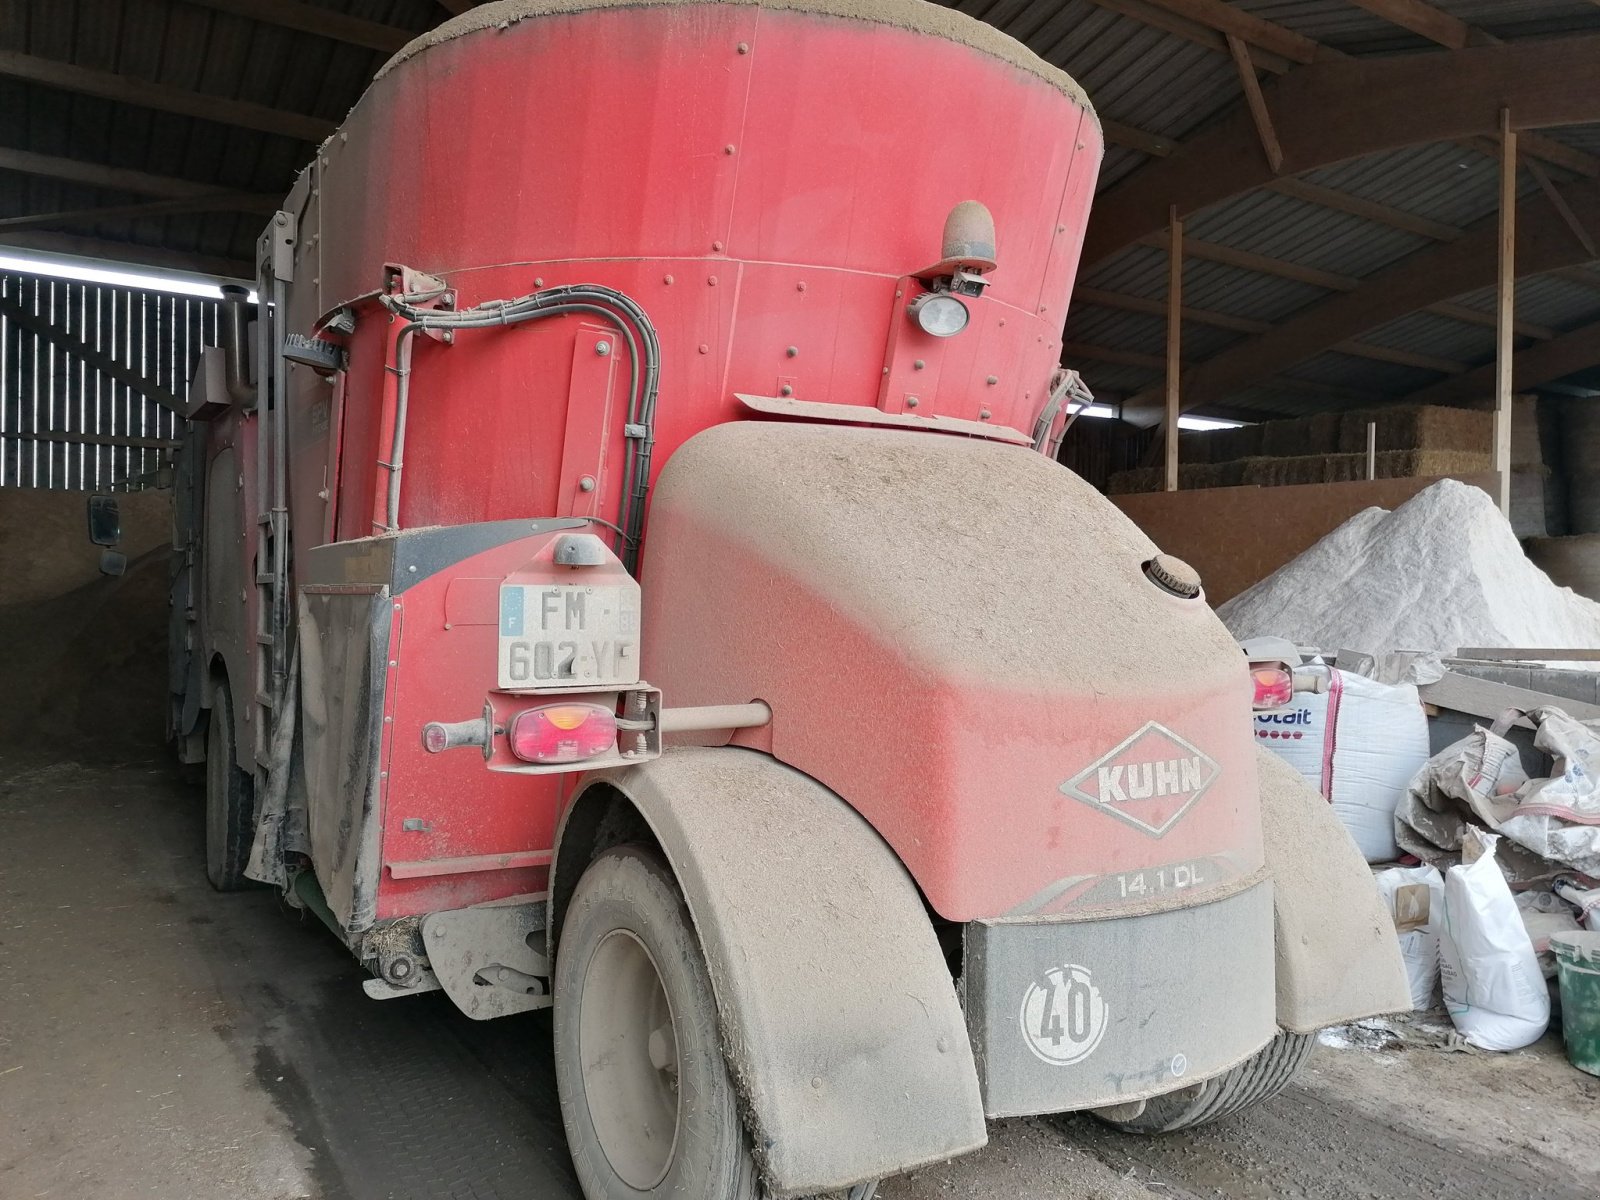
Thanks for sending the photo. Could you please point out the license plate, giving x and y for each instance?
(568, 635)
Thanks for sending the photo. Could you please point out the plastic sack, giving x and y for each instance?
(1414, 897)
(1493, 988)
(1543, 915)
(1559, 818)
(1359, 744)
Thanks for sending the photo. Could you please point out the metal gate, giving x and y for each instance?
(90, 377)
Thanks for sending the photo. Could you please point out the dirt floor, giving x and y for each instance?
(158, 1040)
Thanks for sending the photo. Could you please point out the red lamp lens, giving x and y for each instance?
(1274, 686)
(562, 733)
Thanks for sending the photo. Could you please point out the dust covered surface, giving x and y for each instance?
(1442, 571)
(159, 1040)
(84, 674)
(984, 557)
(917, 16)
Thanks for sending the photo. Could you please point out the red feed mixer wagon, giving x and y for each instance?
(622, 567)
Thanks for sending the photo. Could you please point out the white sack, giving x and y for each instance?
(1543, 914)
(1359, 744)
(1559, 818)
(1414, 897)
(1493, 988)
(1585, 900)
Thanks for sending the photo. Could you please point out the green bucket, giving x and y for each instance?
(1578, 962)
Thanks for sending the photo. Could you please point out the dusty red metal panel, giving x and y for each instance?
(764, 183)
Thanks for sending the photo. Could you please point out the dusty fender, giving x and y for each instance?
(1337, 957)
(839, 1016)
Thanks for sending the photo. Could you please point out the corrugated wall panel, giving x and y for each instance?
(66, 424)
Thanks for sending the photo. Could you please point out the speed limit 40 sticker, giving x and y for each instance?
(1063, 1015)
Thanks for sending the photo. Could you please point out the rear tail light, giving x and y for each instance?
(563, 733)
(1274, 685)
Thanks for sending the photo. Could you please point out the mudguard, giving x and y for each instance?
(839, 1017)
(1337, 956)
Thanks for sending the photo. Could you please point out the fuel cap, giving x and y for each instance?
(1173, 575)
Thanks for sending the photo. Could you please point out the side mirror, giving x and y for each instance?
(113, 562)
(105, 523)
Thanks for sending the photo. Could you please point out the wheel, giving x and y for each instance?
(230, 801)
(648, 1105)
(1258, 1078)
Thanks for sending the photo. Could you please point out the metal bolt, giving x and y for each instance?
(886, 370)
(918, 364)
(602, 348)
(717, 246)
(816, 1081)
(898, 293)
(282, 218)
(392, 663)
(801, 286)
(1041, 308)
(792, 351)
(728, 149)
(786, 390)
(383, 774)
(912, 402)
(538, 281)
(640, 743)
(388, 720)
(667, 279)
(704, 349)
(984, 414)
(992, 380)
(744, 47)
(942, 1045)
(1002, 320)
(711, 281)
(586, 484)
(412, 568)
(343, 136)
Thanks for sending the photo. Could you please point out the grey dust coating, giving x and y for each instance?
(220, 1046)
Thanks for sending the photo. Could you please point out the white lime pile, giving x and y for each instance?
(1442, 571)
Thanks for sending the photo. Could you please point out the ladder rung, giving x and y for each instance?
(264, 700)
(264, 639)
(263, 578)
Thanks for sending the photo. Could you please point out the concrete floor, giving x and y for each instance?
(158, 1040)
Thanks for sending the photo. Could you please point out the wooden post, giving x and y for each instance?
(1504, 311)
(1174, 343)
(1372, 450)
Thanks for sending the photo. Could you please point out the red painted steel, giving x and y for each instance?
(763, 182)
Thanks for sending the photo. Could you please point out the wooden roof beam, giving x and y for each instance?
(1419, 281)
(1330, 112)
(321, 22)
(1425, 20)
(1563, 355)
(249, 202)
(1168, 19)
(128, 253)
(162, 96)
(117, 179)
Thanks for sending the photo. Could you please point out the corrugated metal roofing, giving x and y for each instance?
(1147, 74)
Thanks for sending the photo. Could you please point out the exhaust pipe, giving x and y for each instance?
(234, 330)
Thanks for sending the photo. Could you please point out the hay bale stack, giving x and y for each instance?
(1417, 427)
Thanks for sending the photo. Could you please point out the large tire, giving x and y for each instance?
(230, 801)
(1258, 1078)
(648, 1104)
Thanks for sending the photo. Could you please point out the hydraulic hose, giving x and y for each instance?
(617, 309)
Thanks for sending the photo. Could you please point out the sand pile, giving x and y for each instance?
(1442, 571)
(85, 673)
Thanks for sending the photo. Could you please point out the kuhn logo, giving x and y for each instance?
(1148, 780)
